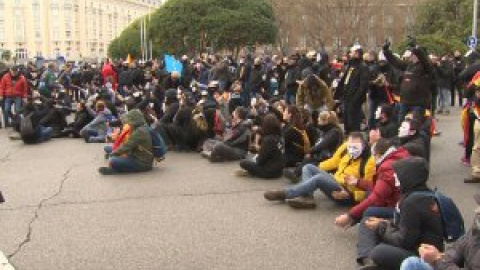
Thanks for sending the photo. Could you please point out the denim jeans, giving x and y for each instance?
(444, 96)
(125, 165)
(7, 108)
(44, 133)
(312, 179)
(290, 98)
(415, 263)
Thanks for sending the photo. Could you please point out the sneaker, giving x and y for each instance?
(437, 133)
(472, 180)
(242, 173)
(206, 154)
(303, 202)
(275, 195)
(440, 112)
(290, 175)
(367, 264)
(106, 171)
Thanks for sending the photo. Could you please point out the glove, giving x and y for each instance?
(386, 45)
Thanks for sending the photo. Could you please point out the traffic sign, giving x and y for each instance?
(472, 42)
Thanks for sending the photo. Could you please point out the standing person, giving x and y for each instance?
(471, 120)
(458, 67)
(354, 84)
(292, 76)
(443, 77)
(13, 88)
(469, 117)
(256, 80)
(47, 81)
(109, 72)
(415, 88)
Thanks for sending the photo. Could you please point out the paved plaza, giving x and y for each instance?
(185, 214)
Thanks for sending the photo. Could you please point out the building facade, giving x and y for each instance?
(335, 25)
(74, 29)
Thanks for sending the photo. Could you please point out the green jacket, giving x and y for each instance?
(139, 144)
(323, 96)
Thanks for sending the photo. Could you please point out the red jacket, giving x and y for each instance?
(7, 89)
(109, 71)
(384, 193)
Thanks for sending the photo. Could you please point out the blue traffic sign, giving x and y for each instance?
(472, 42)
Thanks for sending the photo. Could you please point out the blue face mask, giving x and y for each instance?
(354, 150)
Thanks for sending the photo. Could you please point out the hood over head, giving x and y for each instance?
(412, 174)
(135, 118)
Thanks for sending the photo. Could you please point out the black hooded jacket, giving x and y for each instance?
(418, 218)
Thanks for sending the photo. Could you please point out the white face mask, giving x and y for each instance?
(397, 182)
(404, 130)
(378, 113)
(355, 150)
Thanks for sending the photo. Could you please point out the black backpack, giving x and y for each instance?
(27, 130)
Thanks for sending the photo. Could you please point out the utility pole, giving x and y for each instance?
(475, 17)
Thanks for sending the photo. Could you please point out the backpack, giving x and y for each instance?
(306, 141)
(159, 149)
(452, 220)
(27, 130)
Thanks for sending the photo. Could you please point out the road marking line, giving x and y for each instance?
(4, 264)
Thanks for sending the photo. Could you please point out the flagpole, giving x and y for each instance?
(141, 38)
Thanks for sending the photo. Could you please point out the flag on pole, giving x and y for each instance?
(172, 64)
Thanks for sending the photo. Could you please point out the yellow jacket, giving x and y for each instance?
(343, 166)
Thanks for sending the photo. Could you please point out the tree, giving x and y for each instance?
(6, 55)
(189, 26)
(443, 26)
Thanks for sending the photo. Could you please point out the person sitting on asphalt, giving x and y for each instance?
(463, 254)
(384, 244)
(329, 139)
(409, 137)
(292, 135)
(354, 170)
(386, 122)
(384, 194)
(136, 153)
(269, 161)
(235, 144)
(96, 130)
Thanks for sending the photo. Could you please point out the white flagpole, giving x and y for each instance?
(141, 38)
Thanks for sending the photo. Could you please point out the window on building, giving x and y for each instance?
(2, 21)
(18, 26)
(21, 53)
(37, 19)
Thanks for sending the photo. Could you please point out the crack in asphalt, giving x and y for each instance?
(36, 215)
(139, 198)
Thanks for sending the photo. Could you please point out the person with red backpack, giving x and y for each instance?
(13, 89)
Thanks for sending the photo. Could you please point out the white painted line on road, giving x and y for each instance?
(4, 264)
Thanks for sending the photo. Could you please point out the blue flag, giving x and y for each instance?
(172, 64)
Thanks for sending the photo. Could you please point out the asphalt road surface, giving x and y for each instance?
(185, 214)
